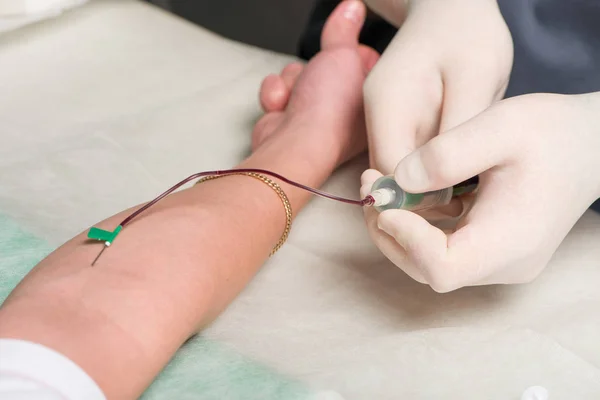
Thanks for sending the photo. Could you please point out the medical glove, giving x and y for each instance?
(537, 158)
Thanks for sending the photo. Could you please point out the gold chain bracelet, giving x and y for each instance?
(273, 185)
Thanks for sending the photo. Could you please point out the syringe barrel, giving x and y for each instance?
(415, 201)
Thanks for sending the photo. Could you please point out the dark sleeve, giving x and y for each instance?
(376, 33)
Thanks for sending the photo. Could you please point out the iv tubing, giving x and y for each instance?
(367, 201)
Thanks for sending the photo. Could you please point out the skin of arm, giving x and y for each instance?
(168, 274)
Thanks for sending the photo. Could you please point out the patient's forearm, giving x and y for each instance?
(167, 275)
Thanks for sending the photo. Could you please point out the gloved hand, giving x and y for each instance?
(537, 158)
(393, 11)
(450, 60)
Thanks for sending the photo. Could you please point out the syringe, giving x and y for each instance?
(388, 195)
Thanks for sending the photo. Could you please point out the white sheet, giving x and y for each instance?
(15, 14)
(110, 104)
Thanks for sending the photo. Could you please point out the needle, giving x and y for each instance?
(99, 254)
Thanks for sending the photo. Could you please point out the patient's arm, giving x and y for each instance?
(167, 275)
(177, 266)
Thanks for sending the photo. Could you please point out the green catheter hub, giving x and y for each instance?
(103, 236)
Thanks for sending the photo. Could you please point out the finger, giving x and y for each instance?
(424, 244)
(459, 154)
(369, 57)
(367, 180)
(273, 94)
(365, 190)
(370, 176)
(390, 248)
(290, 75)
(343, 27)
(490, 237)
(414, 234)
(264, 127)
(403, 95)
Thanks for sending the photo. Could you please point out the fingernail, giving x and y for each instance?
(353, 11)
(411, 174)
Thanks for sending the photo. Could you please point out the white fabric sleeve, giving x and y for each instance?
(31, 371)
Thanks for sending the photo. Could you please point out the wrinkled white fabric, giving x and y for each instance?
(15, 14)
(118, 115)
(29, 371)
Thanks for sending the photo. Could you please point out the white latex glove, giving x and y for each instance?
(450, 60)
(393, 11)
(537, 157)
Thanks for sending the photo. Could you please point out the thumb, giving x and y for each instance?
(399, 83)
(459, 154)
(343, 27)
